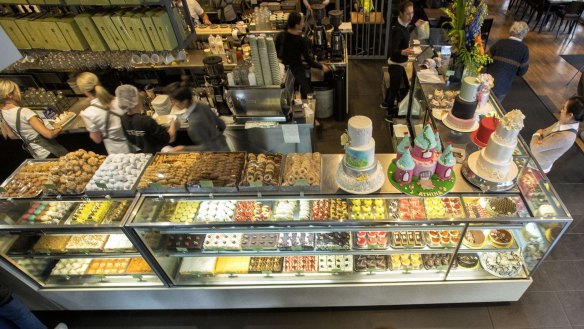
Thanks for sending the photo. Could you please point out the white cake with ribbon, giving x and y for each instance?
(359, 171)
(495, 162)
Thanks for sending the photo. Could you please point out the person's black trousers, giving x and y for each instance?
(395, 92)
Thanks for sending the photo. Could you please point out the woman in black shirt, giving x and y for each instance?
(292, 47)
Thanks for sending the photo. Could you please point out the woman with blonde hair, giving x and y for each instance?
(24, 124)
(103, 116)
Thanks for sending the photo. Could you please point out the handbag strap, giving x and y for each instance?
(107, 121)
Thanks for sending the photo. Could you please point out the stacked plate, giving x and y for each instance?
(274, 63)
(255, 59)
(264, 60)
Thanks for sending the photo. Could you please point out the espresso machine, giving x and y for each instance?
(337, 47)
(216, 78)
(319, 33)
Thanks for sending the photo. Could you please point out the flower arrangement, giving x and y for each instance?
(466, 20)
(487, 81)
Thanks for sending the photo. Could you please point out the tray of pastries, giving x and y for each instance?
(185, 242)
(330, 209)
(467, 261)
(223, 241)
(86, 242)
(291, 210)
(46, 212)
(441, 101)
(167, 173)
(500, 239)
(262, 172)
(138, 266)
(489, 207)
(52, 244)
(118, 211)
(333, 241)
(407, 239)
(259, 241)
(197, 266)
(264, 264)
(365, 263)
(370, 240)
(253, 211)
(302, 172)
(366, 209)
(90, 212)
(36, 267)
(232, 265)
(108, 266)
(118, 242)
(445, 207)
(405, 262)
(443, 238)
(216, 172)
(149, 210)
(71, 266)
(474, 239)
(335, 263)
(436, 261)
(118, 175)
(502, 264)
(28, 180)
(306, 264)
(72, 173)
(216, 211)
(296, 241)
(406, 208)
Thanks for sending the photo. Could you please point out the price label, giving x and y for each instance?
(257, 183)
(181, 249)
(101, 185)
(336, 271)
(300, 273)
(156, 186)
(301, 182)
(139, 277)
(407, 270)
(232, 274)
(267, 273)
(371, 270)
(296, 248)
(2, 190)
(197, 274)
(258, 249)
(206, 184)
(372, 247)
(441, 268)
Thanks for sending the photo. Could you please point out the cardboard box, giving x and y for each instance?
(114, 32)
(95, 2)
(90, 32)
(164, 28)
(134, 24)
(72, 33)
(126, 32)
(14, 32)
(54, 35)
(151, 30)
(103, 27)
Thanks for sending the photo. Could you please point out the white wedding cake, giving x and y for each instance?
(359, 172)
(495, 162)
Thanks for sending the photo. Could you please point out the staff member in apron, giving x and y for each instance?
(24, 124)
(308, 4)
(103, 116)
(548, 144)
(292, 48)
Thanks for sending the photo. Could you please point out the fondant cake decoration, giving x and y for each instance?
(402, 144)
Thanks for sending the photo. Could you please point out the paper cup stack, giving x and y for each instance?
(264, 60)
(255, 59)
(161, 105)
(274, 62)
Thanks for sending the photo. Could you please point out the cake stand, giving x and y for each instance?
(448, 124)
(473, 175)
(360, 182)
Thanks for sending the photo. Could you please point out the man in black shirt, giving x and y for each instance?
(141, 130)
(292, 47)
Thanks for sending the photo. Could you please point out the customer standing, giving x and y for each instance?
(141, 130)
(292, 47)
(14, 314)
(398, 58)
(548, 144)
(205, 127)
(103, 116)
(24, 124)
(510, 58)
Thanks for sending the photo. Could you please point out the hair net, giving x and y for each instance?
(127, 96)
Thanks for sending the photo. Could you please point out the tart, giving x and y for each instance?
(500, 238)
(552, 233)
(474, 239)
(468, 261)
(502, 207)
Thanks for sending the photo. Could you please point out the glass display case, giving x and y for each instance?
(72, 243)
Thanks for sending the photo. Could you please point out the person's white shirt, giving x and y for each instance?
(94, 118)
(195, 10)
(26, 130)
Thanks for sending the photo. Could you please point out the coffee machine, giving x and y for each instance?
(216, 78)
(337, 47)
(319, 46)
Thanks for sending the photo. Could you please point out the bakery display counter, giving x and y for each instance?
(72, 243)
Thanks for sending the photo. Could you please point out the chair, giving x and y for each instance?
(486, 30)
(442, 20)
(571, 14)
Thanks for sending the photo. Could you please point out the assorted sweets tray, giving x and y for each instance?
(366, 209)
(167, 173)
(262, 172)
(302, 172)
(72, 172)
(28, 180)
(489, 207)
(77, 243)
(443, 238)
(444, 207)
(216, 172)
(406, 208)
(118, 175)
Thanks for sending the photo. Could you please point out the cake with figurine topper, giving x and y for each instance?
(425, 169)
(359, 171)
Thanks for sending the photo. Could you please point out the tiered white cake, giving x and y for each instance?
(360, 151)
(495, 162)
(359, 172)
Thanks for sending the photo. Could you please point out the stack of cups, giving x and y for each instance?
(264, 60)
(255, 59)
(274, 62)
(161, 105)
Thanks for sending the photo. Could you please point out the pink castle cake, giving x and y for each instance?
(405, 167)
(445, 164)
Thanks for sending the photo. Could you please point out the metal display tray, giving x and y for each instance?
(197, 188)
(16, 171)
(120, 193)
(298, 188)
(262, 188)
